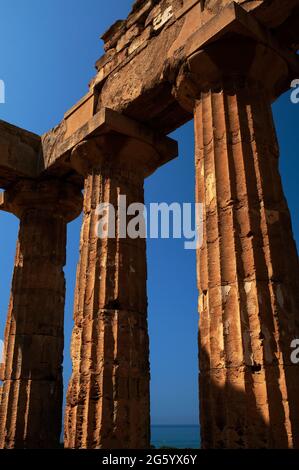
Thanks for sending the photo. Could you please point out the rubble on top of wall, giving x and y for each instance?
(125, 37)
(149, 20)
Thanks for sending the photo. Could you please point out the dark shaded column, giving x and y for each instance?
(31, 402)
(248, 273)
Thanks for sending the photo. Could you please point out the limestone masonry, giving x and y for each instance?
(222, 63)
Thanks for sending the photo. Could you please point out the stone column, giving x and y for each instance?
(108, 402)
(248, 265)
(31, 402)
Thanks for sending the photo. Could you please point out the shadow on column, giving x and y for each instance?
(265, 413)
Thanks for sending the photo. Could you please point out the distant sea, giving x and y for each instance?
(179, 437)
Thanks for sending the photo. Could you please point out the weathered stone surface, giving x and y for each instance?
(177, 32)
(58, 147)
(31, 399)
(79, 115)
(20, 154)
(132, 152)
(152, 59)
(248, 271)
(169, 60)
(108, 396)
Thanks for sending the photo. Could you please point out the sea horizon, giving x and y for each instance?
(175, 425)
(179, 436)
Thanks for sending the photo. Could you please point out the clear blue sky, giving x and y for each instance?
(47, 52)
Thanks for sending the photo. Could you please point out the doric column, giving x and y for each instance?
(248, 265)
(31, 402)
(108, 402)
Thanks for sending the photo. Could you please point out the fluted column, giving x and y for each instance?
(108, 397)
(31, 401)
(248, 273)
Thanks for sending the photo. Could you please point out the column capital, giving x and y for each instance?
(117, 153)
(234, 60)
(111, 140)
(59, 197)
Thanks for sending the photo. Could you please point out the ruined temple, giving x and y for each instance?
(221, 63)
